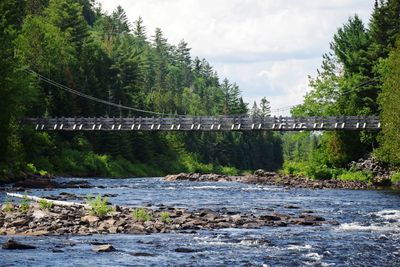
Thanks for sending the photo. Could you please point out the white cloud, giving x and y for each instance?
(268, 47)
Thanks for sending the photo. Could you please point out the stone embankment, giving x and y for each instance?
(63, 220)
(379, 170)
(261, 177)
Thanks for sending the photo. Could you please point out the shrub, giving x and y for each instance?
(319, 172)
(140, 214)
(45, 205)
(7, 205)
(246, 172)
(69, 162)
(24, 204)
(192, 164)
(356, 176)
(99, 205)
(395, 178)
(165, 217)
(295, 168)
(95, 165)
(229, 171)
(30, 167)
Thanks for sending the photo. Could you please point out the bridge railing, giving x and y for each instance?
(221, 123)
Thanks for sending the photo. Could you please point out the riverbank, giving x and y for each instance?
(271, 178)
(259, 177)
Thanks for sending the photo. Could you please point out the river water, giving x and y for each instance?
(368, 233)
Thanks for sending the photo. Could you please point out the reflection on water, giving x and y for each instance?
(368, 233)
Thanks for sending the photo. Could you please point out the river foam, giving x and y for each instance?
(386, 221)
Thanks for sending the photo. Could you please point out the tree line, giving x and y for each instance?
(78, 45)
(358, 76)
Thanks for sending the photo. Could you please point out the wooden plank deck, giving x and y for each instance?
(222, 123)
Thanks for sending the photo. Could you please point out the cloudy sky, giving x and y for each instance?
(267, 47)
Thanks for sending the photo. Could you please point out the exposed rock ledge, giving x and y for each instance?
(261, 177)
(60, 220)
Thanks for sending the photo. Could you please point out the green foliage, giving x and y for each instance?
(395, 178)
(389, 100)
(24, 204)
(17, 91)
(140, 214)
(45, 205)
(99, 54)
(322, 172)
(346, 84)
(8, 205)
(191, 164)
(165, 217)
(228, 170)
(294, 168)
(362, 176)
(30, 167)
(99, 205)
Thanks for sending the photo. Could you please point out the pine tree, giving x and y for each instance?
(67, 15)
(140, 30)
(120, 21)
(255, 112)
(265, 107)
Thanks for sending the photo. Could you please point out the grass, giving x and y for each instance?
(141, 215)
(45, 205)
(99, 205)
(165, 217)
(24, 204)
(8, 206)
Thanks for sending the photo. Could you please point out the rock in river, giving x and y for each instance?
(185, 250)
(12, 244)
(103, 248)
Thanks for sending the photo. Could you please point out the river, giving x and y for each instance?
(367, 233)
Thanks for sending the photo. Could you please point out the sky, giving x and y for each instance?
(268, 47)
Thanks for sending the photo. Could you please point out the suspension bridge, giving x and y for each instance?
(219, 123)
(165, 122)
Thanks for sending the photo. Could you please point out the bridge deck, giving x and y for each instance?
(223, 123)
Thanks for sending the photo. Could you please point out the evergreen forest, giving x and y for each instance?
(76, 44)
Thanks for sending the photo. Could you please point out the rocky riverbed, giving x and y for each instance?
(261, 177)
(62, 220)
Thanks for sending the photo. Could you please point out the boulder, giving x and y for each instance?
(38, 214)
(290, 206)
(103, 248)
(90, 219)
(113, 230)
(20, 222)
(311, 218)
(12, 244)
(259, 172)
(136, 228)
(185, 250)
